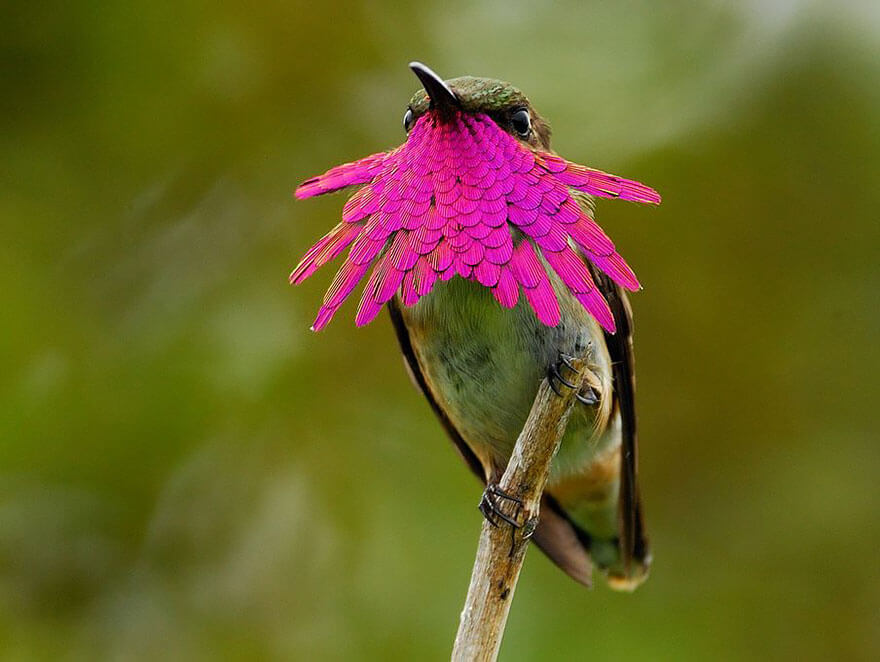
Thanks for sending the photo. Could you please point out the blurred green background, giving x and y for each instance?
(186, 472)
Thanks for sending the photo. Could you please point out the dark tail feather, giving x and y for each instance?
(569, 546)
(559, 539)
(636, 561)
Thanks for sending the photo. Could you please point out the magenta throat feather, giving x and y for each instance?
(464, 197)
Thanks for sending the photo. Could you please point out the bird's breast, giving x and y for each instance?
(483, 364)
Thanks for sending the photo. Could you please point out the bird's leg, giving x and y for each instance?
(490, 506)
(588, 394)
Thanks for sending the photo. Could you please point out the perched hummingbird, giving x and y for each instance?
(494, 273)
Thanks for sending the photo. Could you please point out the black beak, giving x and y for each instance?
(443, 100)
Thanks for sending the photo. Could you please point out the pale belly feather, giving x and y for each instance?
(484, 364)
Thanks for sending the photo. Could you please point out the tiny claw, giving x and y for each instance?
(567, 361)
(554, 375)
(487, 511)
(554, 370)
(491, 509)
(591, 398)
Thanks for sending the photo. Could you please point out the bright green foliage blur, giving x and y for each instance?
(186, 472)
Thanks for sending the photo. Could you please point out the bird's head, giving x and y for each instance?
(496, 100)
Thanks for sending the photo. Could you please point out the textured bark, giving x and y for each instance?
(502, 549)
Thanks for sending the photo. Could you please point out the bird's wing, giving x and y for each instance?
(557, 537)
(633, 544)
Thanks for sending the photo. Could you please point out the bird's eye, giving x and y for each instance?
(521, 122)
(408, 120)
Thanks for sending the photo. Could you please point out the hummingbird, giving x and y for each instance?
(485, 250)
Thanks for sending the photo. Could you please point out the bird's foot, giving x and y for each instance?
(491, 506)
(587, 395)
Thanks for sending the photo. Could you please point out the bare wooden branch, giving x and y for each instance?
(502, 549)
